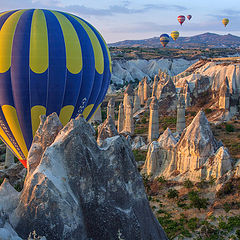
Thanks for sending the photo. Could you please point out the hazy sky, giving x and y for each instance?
(139, 19)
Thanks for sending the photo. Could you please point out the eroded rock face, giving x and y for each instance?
(82, 191)
(44, 137)
(106, 130)
(197, 155)
(196, 144)
(160, 155)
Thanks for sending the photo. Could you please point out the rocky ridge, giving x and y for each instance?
(75, 189)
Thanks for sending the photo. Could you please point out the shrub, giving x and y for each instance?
(229, 128)
(188, 184)
(227, 207)
(144, 120)
(1, 180)
(196, 201)
(193, 223)
(225, 190)
(172, 193)
(139, 155)
(207, 110)
(161, 179)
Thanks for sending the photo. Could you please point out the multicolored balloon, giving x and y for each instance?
(181, 19)
(164, 39)
(174, 35)
(189, 17)
(225, 21)
(50, 61)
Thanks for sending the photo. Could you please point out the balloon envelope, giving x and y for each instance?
(189, 17)
(50, 61)
(225, 21)
(181, 19)
(164, 39)
(174, 35)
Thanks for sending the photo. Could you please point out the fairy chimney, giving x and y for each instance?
(153, 129)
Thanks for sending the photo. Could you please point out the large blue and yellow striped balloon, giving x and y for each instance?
(50, 61)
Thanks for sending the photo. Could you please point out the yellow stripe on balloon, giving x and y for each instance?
(108, 52)
(6, 139)
(12, 121)
(36, 112)
(38, 59)
(98, 54)
(3, 13)
(6, 40)
(87, 110)
(72, 44)
(66, 114)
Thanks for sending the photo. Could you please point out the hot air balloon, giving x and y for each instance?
(189, 17)
(50, 61)
(174, 35)
(225, 21)
(164, 39)
(181, 19)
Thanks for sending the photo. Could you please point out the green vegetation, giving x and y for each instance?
(197, 201)
(172, 193)
(229, 128)
(139, 155)
(188, 184)
(1, 180)
(225, 190)
(207, 110)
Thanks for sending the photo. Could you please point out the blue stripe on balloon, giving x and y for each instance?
(73, 83)
(20, 74)
(88, 71)
(38, 88)
(57, 65)
(6, 97)
(106, 74)
(4, 17)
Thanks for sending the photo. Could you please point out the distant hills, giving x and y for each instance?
(205, 40)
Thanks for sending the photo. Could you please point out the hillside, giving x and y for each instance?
(205, 40)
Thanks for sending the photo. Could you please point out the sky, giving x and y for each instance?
(119, 20)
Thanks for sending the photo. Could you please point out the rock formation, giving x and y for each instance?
(197, 143)
(129, 70)
(128, 96)
(224, 96)
(155, 83)
(9, 158)
(138, 142)
(145, 89)
(120, 118)
(197, 155)
(181, 124)
(111, 108)
(141, 92)
(82, 191)
(129, 122)
(168, 89)
(153, 128)
(137, 104)
(160, 154)
(106, 130)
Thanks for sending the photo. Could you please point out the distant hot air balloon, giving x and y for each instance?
(50, 61)
(174, 35)
(164, 39)
(181, 19)
(189, 17)
(225, 21)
